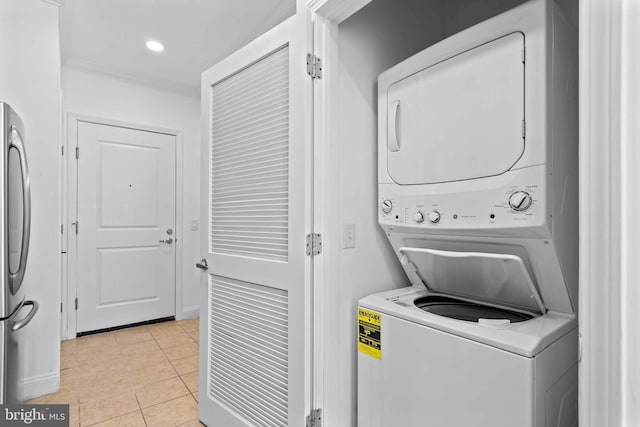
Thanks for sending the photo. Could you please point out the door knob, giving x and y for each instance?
(168, 241)
(203, 265)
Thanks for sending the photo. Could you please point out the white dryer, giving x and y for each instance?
(478, 166)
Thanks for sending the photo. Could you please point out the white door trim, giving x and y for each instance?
(336, 11)
(69, 289)
(609, 270)
(322, 183)
(630, 134)
(608, 234)
(326, 16)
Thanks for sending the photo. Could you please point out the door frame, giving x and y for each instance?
(70, 204)
(608, 236)
(326, 15)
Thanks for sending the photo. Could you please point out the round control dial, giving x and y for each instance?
(434, 216)
(419, 217)
(386, 206)
(520, 201)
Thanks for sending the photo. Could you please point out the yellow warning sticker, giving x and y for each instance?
(369, 338)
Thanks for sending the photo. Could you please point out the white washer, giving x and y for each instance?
(439, 371)
(478, 197)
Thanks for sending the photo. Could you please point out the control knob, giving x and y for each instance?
(419, 217)
(520, 201)
(386, 205)
(434, 217)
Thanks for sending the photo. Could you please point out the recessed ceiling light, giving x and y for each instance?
(155, 46)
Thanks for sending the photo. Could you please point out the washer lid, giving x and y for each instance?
(495, 278)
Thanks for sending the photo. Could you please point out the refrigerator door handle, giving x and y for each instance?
(19, 324)
(15, 279)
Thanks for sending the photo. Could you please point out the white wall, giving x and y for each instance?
(99, 95)
(382, 34)
(461, 14)
(30, 83)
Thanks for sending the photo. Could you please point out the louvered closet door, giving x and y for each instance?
(256, 107)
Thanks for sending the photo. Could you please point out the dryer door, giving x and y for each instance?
(459, 119)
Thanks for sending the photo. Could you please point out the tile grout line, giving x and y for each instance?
(186, 386)
(141, 411)
(109, 419)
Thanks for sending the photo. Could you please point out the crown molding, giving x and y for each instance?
(54, 2)
(92, 67)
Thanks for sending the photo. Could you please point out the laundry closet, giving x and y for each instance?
(290, 173)
(374, 39)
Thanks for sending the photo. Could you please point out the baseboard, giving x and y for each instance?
(191, 312)
(39, 386)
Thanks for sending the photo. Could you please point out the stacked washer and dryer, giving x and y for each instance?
(478, 190)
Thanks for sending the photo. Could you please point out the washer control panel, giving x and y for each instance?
(520, 203)
(434, 217)
(386, 206)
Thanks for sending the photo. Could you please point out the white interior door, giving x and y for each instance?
(126, 226)
(256, 182)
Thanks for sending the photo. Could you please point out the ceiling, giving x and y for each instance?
(109, 36)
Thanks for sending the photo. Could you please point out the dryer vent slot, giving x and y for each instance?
(467, 310)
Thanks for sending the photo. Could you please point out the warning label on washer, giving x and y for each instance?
(369, 338)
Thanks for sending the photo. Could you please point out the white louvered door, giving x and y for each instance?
(257, 181)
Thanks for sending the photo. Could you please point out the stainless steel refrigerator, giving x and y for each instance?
(15, 213)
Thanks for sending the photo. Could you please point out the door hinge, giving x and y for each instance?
(314, 419)
(314, 66)
(62, 146)
(314, 244)
(77, 152)
(524, 129)
(60, 307)
(76, 303)
(61, 228)
(75, 226)
(524, 54)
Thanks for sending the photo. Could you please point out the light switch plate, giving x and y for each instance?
(349, 235)
(195, 225)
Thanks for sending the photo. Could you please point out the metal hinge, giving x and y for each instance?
(524, 54)
(62, 146)
(77, 152)
(524, 129)
(314, 244)
(314, 419)
(60, 307)
(76, 303)
(61, 228)
(314, 66)
(75, 225)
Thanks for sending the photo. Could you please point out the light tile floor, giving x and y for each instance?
(142, 376)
